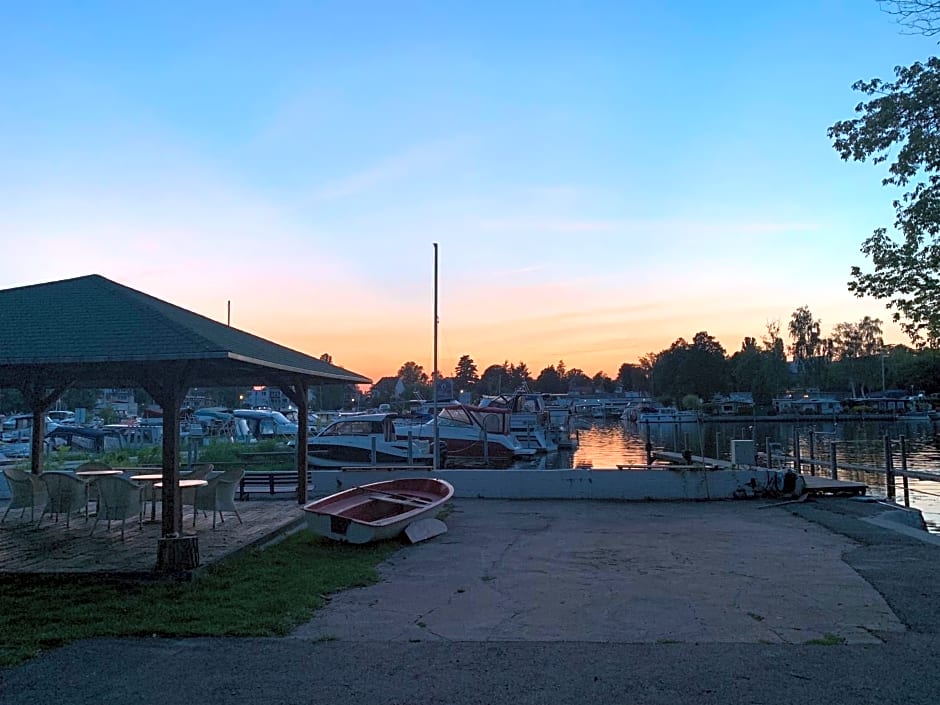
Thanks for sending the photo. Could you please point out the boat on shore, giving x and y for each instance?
(377, 511)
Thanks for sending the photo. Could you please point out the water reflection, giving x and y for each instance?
(607, 444)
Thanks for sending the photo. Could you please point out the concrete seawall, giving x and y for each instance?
(640, 485)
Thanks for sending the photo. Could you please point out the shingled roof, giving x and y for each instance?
(92, 331)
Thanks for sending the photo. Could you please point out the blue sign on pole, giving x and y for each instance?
(445, 389)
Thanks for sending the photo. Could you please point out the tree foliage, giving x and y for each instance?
(901, 126)
(465, 374)
(804, 330)
(699, 368)
(550, 382)
(918, 16)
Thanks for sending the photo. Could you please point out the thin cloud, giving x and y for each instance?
(574, 226)
(390, 170)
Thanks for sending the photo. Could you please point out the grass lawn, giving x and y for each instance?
(260, 593)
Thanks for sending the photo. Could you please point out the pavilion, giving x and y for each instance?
(91, 332)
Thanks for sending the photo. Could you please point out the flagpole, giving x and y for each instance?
(434, 375)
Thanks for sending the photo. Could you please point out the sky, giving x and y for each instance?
(601, 178)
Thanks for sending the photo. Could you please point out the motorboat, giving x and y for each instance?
(266, 423)
(530, 420)
(469, 432)
(366, 439)
(631, 412)
(668, 414)
(379, 510)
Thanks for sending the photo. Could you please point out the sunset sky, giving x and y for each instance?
(602, 178)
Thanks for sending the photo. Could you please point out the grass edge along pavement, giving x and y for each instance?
(257, 593)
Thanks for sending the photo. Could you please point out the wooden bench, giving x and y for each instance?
(261, 482)
(388, 468)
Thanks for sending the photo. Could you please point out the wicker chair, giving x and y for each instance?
(67, 495)
(118, 499)
(219, 495)
(27, 492)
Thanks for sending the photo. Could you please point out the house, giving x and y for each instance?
(808, 402)
(734, 404)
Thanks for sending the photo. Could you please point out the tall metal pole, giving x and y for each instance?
(436, 461)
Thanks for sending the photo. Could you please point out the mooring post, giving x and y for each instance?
(907, 492)
(889, 469)
(770, 458)
(833, 464)
(812, 452)
(649, 445)
(797, 464)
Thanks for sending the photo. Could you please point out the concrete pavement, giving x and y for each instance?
(561, 570)
(575, 602)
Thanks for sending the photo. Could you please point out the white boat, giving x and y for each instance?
(667, 414)
(468, 432)
(530, 420)
(631, 412)
(379, 510)
(365, 439)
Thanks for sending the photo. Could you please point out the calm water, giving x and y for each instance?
(606, 444)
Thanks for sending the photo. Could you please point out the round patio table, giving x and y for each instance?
(154, 478)
(97, 473)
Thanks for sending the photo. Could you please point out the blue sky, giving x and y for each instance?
(602, 178)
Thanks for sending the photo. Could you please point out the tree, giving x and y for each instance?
(919, 16)
(519, 376)
(495, 380)
(465, 374)
(854, 340)
(412, 373)
(602, 382)
(647, 365)
(577, 379)
(550, 382)
(632, 377)
(415, 380)
(902, 123)
(804, 334)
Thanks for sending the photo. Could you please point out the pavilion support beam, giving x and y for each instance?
(297, 391)
(39, 397)
(175, 552)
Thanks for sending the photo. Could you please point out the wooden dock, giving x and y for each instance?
(819, 486)
(816, 485)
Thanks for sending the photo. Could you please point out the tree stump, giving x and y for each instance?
(177, 553)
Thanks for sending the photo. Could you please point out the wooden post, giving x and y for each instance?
(649, 445)
(812, 452)
(177, 553)
(770, 458)
(907, 493)
(296, 389)
(797, 464)
(833, 466)
(303, 410)
(889, 469)
(39, 397)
